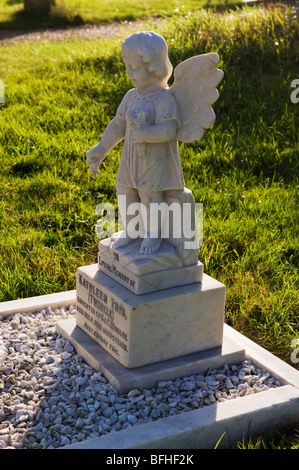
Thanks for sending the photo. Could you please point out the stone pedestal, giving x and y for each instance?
(148, 376)
(138, 330)
(141, 273)
(144, 317)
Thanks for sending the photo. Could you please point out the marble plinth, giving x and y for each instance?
(146, 273)
(147, 376)
(138, 330)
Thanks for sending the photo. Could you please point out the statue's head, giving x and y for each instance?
(152, 49)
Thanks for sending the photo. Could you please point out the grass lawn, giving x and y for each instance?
(60, 96)
(98, 11)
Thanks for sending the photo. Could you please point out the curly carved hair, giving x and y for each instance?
(153, 50)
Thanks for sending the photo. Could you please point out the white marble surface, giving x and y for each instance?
(149, 375)
(31, 304)
(146, 273)
(143, 329)
(130, 258)
(151, 119)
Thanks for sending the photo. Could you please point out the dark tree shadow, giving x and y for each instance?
(56, 17)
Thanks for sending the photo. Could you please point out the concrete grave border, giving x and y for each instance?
(227, 422)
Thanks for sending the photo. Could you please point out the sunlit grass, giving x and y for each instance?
(99, 11)
(59, 98)
(279, 441)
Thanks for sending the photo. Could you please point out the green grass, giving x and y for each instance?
(60, 97)
(280, 441)
(68, 12)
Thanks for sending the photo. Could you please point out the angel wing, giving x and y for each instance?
(194, 89)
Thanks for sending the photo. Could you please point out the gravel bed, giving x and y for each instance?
(49, 397)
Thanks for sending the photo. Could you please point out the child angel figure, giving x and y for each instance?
(152, 118)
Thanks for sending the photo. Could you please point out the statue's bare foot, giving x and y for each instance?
(121, 240)
(150, 245)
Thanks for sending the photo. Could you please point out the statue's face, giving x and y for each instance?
(138, 73)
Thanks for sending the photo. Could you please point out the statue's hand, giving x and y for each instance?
(94, 157)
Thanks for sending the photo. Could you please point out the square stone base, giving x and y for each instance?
(138, 330)
(147, 376)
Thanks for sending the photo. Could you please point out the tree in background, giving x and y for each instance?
(38, 6)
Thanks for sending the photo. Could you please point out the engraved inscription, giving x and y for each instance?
(101, 312)
(113, 269)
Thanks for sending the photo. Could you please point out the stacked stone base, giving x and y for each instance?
(138, 330)
(143, 318)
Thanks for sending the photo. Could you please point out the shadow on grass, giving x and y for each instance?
(60, 17)
(23, 20)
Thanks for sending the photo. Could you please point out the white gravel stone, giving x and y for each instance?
(50, 398)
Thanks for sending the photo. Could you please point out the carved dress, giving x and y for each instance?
(153, 167)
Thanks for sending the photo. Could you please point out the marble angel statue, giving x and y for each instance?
(153, 118)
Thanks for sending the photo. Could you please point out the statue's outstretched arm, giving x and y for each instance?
(113, 134)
